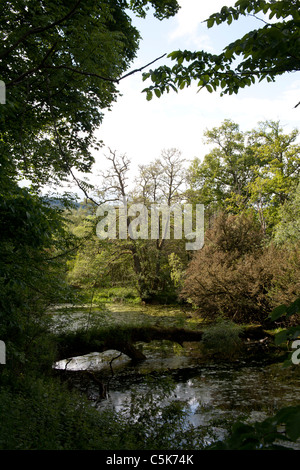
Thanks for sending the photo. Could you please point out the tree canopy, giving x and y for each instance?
(261, 54)
(61, 63)
(256, 169)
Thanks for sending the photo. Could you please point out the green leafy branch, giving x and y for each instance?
(261, 54)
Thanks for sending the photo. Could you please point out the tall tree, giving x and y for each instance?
(288, 228)
(223, 175)
(61, 63)
(257, 169)
(160, 183)
(278, 172)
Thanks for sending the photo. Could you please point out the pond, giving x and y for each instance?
(216, 392)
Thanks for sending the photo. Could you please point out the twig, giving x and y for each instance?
(110, 365)
(33, 70)
(81, 187)
(141, 68)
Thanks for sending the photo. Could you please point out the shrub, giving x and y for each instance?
(44, 415)
(222, 339)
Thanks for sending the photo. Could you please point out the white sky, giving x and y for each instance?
(141, 129)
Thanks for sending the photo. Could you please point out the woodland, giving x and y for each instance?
(61, 63)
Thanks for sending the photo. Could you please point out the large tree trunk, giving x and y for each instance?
(82, 342)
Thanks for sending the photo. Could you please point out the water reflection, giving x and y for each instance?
(214, 393)
(222, 391)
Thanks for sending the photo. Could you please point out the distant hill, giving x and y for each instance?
(61, 202)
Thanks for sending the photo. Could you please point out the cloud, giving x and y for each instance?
(142, 129)
(189, 24)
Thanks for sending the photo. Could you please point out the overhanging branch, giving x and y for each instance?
(101, 77)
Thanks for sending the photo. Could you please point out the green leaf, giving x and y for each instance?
(149, 95)
(281, 337)
(210, 22)
(290, 416)
(293, 426)
(294, 308)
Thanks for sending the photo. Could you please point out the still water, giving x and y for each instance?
(216, 394)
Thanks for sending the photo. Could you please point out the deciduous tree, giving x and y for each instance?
(61, 63)
(258, 169)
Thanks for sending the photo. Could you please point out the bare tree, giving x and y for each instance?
(114, 180)
(148, 183)
(162, 180)
(172, 175)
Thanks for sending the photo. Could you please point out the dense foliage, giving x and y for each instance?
(258, 169)
(247, 183)
(236, 276)
(61, 63)
(136, 262)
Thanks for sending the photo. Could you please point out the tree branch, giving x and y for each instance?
(108, 79)
(34, 69)
(81, 72)
(63, 153)
(141, 68)
(80, 186)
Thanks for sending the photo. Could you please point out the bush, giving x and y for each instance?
(222, 339)
(42, 414)
(236, 277)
